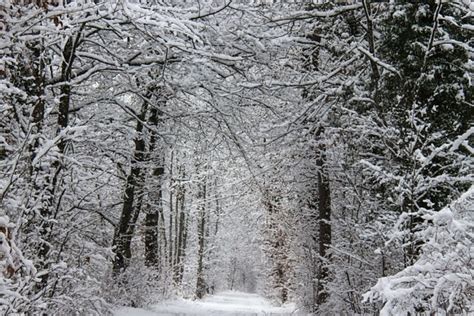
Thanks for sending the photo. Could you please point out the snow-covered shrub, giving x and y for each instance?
(17, 274)
(137, 286)
(79, 289)
(441, 280)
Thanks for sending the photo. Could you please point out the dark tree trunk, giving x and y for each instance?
(62, 123)
(162, 233)
(37, 90)
(184, 235)
(176, 233)
(180, 227)
(170, 235)
(151, 239)
(126, 226)
(324, 207)
(201, 282)
(153, 211)
(46, 187)
(322, 198)
(370, 39)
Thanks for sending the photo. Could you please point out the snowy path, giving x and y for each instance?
(225, 304)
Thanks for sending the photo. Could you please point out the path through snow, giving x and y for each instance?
(225, 304)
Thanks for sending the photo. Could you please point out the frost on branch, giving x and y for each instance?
(441, 280)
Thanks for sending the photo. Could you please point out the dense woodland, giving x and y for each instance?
(319, 153)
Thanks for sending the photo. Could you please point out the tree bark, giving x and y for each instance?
(201, 282)
(151, 239)
(183, 232)
(68, 55)
(324, 207)
(153, 211)
(370, 40)
(180, 227)
(37, 120)
(126, 226)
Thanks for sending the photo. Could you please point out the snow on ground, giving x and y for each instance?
(226, 304)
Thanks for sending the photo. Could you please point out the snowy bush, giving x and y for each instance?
(441, 280)
(77, 291)
(138, 286)
(17, 274)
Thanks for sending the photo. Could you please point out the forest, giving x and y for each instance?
(318, 153)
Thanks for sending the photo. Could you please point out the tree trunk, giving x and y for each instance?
(155, 207)
(370, 39)
(201, 282)
(323, 193)
(180, 227)
(162, 234)
(46, 187)
(151, 239)
(170, 236)
(183, 223)
(37, 90)
(58, 166)
(277, 247)
(176, 233)
(126, 226)
(324, 207)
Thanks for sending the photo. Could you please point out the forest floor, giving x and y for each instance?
(229, 303)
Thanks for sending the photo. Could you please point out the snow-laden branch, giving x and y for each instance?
(51, 143)
(310, 14)
(439, 280)
(320, 79)
(211, 11)
(462, 140)
(379, 62)
(454, 42)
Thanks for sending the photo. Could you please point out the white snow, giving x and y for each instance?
(226, 304)
(4, 221)
(443, 217)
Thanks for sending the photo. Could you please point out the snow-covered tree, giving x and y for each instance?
(440, 281)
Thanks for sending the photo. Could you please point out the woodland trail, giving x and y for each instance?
(228, 303)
